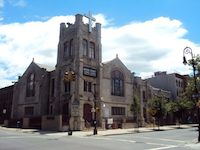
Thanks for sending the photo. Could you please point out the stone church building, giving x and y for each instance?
(80, 89)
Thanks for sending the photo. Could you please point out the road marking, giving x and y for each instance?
(158, 144)
(122, 140)
(160, 148)
(162, 139)
(111, 139)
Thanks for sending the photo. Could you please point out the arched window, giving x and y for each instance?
(85, 47)
(117, 83)
(71, 47)
(91, 52)
(66, 49)
(30, 87)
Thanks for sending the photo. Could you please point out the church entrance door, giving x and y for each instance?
(87, 115)
(65, 114)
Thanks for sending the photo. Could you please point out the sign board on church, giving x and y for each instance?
(89, 72)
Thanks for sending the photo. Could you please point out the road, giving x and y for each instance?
(179, 139)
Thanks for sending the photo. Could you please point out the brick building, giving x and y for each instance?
(79, 89)
(6, 97)
(174, 82)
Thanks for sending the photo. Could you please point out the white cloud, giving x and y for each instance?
(145, 47)
(20, 42)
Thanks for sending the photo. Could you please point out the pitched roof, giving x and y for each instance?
(111, 60)
(47, 67)
(114, 61)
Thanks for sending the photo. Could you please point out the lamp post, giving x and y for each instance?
(188, 50)
(95, 112)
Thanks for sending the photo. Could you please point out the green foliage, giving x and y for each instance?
(184, 103)
(157, 107)
(135, 106)
(196, 61)
(188, 100)
(197, 68)
(178, 106)
(190, 87)
(172, 106)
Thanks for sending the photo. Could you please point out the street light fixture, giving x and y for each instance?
(188, 50)
(95, 112)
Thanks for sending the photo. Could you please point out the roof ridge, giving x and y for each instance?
(45, 66)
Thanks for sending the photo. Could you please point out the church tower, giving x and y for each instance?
(77, 82)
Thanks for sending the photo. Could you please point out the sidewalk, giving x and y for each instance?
(192, 145)
(102, 132)
(130, 131)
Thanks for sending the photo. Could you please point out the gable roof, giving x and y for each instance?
(46, 67)
(104, 63)
(115, 60)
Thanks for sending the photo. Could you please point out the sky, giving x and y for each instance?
(147, 35)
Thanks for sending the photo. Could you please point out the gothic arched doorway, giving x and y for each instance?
(87, 114)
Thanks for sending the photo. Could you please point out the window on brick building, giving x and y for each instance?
(30, 87)
(91, 52)
(87, 86)
(117, 83)
(68, 48)
(85, 47)
(118, 110)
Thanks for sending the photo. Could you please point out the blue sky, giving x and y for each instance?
(121, 11)
(154, 31)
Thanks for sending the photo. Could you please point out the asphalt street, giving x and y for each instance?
(177, 139)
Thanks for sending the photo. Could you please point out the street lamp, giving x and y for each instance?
(71, 76)
(188, 50)
(95, 112)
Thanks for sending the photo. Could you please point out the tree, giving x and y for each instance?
(191, 92)
(157, 109)
(197, 60)
(178, 107)
(190, 89)
(135, 108)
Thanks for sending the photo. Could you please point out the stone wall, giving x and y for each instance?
(52, 123)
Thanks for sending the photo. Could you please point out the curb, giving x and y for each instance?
(105, 132)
